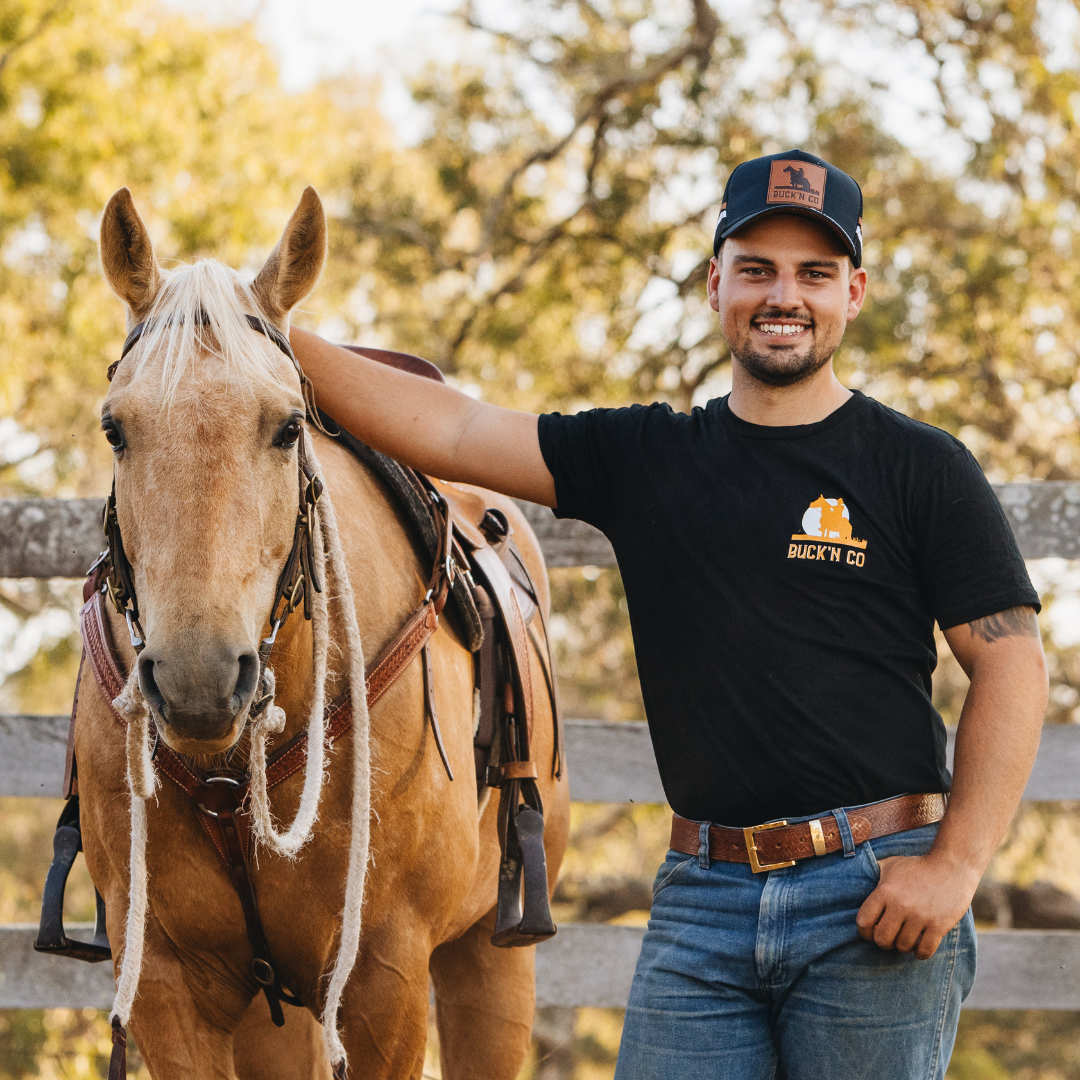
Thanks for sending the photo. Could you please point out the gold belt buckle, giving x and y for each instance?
(751, 848)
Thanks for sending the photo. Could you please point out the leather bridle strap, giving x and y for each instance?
(261, 326)
(299, 575)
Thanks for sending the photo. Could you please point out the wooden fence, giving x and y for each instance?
(585, 965)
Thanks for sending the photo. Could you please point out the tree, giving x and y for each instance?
(94, 96)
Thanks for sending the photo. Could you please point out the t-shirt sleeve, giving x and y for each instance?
(584, 453)
(971, 566)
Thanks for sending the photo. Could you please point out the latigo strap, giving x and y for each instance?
(777, 844)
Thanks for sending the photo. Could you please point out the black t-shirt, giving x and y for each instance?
(783, 584)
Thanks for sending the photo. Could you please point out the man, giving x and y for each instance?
(785, 552)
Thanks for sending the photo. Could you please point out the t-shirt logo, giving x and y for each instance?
(827, 520)
(797, 183)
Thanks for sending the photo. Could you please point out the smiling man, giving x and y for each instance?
(786, 551)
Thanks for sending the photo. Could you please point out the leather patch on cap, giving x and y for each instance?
(796, 183)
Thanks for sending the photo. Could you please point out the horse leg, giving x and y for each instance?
(484, 1001)
(178, 1031)
(384, 1010)
(262, 1051)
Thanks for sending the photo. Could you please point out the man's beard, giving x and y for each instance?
(782, 369)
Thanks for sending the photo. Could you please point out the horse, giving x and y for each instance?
(797, 179)
(833, 522)
(206, 418)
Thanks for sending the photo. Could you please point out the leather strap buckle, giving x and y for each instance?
(752, 851)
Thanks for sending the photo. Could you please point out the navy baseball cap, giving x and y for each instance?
(794, 182)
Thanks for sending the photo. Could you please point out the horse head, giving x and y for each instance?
(205, 416)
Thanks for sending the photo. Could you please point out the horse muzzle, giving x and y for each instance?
(199, 701)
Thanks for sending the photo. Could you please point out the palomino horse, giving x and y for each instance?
(206, 418)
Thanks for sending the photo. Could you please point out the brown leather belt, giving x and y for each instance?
(778, 844)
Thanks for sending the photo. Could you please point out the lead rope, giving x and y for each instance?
(142, 783)
(271, 720)
(360, 838)
(338, 592)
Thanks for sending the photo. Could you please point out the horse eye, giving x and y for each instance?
(289, 434)
(115, 439)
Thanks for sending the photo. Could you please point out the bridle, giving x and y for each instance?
(298, 577)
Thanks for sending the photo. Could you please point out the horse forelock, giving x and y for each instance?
(197, 328)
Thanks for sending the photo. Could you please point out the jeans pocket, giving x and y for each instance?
(910, 842)
(869, 854)
(669, 869)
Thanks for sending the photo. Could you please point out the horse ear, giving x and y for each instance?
(296, 263)
(127, 255)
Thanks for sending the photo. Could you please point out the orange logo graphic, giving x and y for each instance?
(796, 182)
(828, 523)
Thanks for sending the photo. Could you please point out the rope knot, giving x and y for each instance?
(266, 715)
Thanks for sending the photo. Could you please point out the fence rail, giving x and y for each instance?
(585, 965)
(607, 762)
(46, 538)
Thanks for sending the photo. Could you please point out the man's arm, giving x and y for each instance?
(920, 899)
(426, 424)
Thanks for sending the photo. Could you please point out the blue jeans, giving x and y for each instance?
(747, 976)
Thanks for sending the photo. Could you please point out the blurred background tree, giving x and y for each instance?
(545, 240)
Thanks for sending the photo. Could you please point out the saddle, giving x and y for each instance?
(476, 564)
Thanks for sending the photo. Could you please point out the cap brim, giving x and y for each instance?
(814, 215)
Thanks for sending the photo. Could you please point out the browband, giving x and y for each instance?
(263, 327)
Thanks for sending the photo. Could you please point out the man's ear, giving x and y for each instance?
(295, 264)
(127, 255)
(856, 292)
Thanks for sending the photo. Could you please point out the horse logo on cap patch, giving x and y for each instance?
(796, 183)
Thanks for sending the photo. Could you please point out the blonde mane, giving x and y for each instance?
(200, 312)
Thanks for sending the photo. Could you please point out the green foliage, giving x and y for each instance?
(98, 95)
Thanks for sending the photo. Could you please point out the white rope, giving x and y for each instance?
(361, 784)
(142, 782)
(272, 721)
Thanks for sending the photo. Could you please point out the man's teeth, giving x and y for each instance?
(780, 328)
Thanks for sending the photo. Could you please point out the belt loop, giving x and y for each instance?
(703, 846)
(845, 833)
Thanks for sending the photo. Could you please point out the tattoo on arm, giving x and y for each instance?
(1015, 622)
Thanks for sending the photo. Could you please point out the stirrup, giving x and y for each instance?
(67, 843)
(524, 854)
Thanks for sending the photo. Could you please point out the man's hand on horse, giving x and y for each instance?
(919, 899)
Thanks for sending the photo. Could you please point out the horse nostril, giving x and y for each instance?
(150, 687)
(246, 681)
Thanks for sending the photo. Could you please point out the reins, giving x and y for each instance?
(315, 536)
